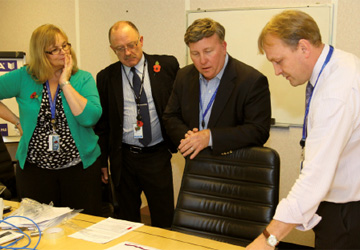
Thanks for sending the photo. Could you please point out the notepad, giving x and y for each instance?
(106, 230)
(130, 246)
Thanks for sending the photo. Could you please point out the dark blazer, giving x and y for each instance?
(241, 112)
(109, 128)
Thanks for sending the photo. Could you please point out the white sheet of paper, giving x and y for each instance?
(106, 230)
(126, 245)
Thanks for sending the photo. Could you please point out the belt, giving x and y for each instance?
(139, 150)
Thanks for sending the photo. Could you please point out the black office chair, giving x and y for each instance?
(7, 172)
(228, 198)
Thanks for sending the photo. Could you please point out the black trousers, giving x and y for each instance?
(339, 227)
(72, 187)
(150, 172)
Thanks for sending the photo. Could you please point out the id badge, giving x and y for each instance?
(138, 131)
(54, 142)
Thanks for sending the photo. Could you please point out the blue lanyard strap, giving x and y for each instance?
(132, 85)
(203, 114)
(51, 101)
(304, 131)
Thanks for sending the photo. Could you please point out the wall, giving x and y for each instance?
(162, 23)
(287, 102)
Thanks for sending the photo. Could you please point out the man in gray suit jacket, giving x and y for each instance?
(217, 101)
(139, 161)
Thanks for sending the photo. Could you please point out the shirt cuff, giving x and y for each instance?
(210, 140)
(288, 212)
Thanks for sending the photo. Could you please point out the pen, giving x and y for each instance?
(34, 234)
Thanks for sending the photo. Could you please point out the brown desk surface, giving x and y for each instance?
(145, 235)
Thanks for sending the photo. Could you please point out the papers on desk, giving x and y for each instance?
(43, 215)
(106, 230)
(126, 245)
(46, 220)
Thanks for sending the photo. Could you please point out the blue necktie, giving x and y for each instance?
(309, 90)
(144, 109)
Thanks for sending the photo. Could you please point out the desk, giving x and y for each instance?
(145, 235)
(11, 143)
(11, 139)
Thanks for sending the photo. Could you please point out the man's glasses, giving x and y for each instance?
(65, 47)
(129, 46)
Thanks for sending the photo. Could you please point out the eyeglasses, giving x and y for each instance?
(129, 46)
(65, 47)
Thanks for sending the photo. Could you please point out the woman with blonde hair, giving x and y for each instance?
(58, 105)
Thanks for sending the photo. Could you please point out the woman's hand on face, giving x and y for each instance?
(66, 72)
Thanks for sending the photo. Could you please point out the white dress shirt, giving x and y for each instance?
(331, 167)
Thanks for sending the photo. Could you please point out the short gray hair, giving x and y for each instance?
(204, 27)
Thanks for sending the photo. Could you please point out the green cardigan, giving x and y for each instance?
(19, 84)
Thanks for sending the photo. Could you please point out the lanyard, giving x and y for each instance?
(137, 99)
(203, 114)
(304, 131)
(51, 101)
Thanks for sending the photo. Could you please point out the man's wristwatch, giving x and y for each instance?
(271, 240)
(63, 84)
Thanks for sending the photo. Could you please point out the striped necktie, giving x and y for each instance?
(309, 90)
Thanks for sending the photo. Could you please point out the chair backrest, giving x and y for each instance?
(229, 198)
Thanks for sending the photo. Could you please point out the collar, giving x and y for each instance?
(319, 63)
(220, 74)
(139, 67)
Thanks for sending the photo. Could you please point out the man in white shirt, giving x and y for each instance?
(326, 195)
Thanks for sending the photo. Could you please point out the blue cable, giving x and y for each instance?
(16, 240)
(9, 246)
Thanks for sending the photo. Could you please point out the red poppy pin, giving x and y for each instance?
(33, 95)
(157, 67)
(139, 124)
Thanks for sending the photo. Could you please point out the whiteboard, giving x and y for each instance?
(242, 28)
